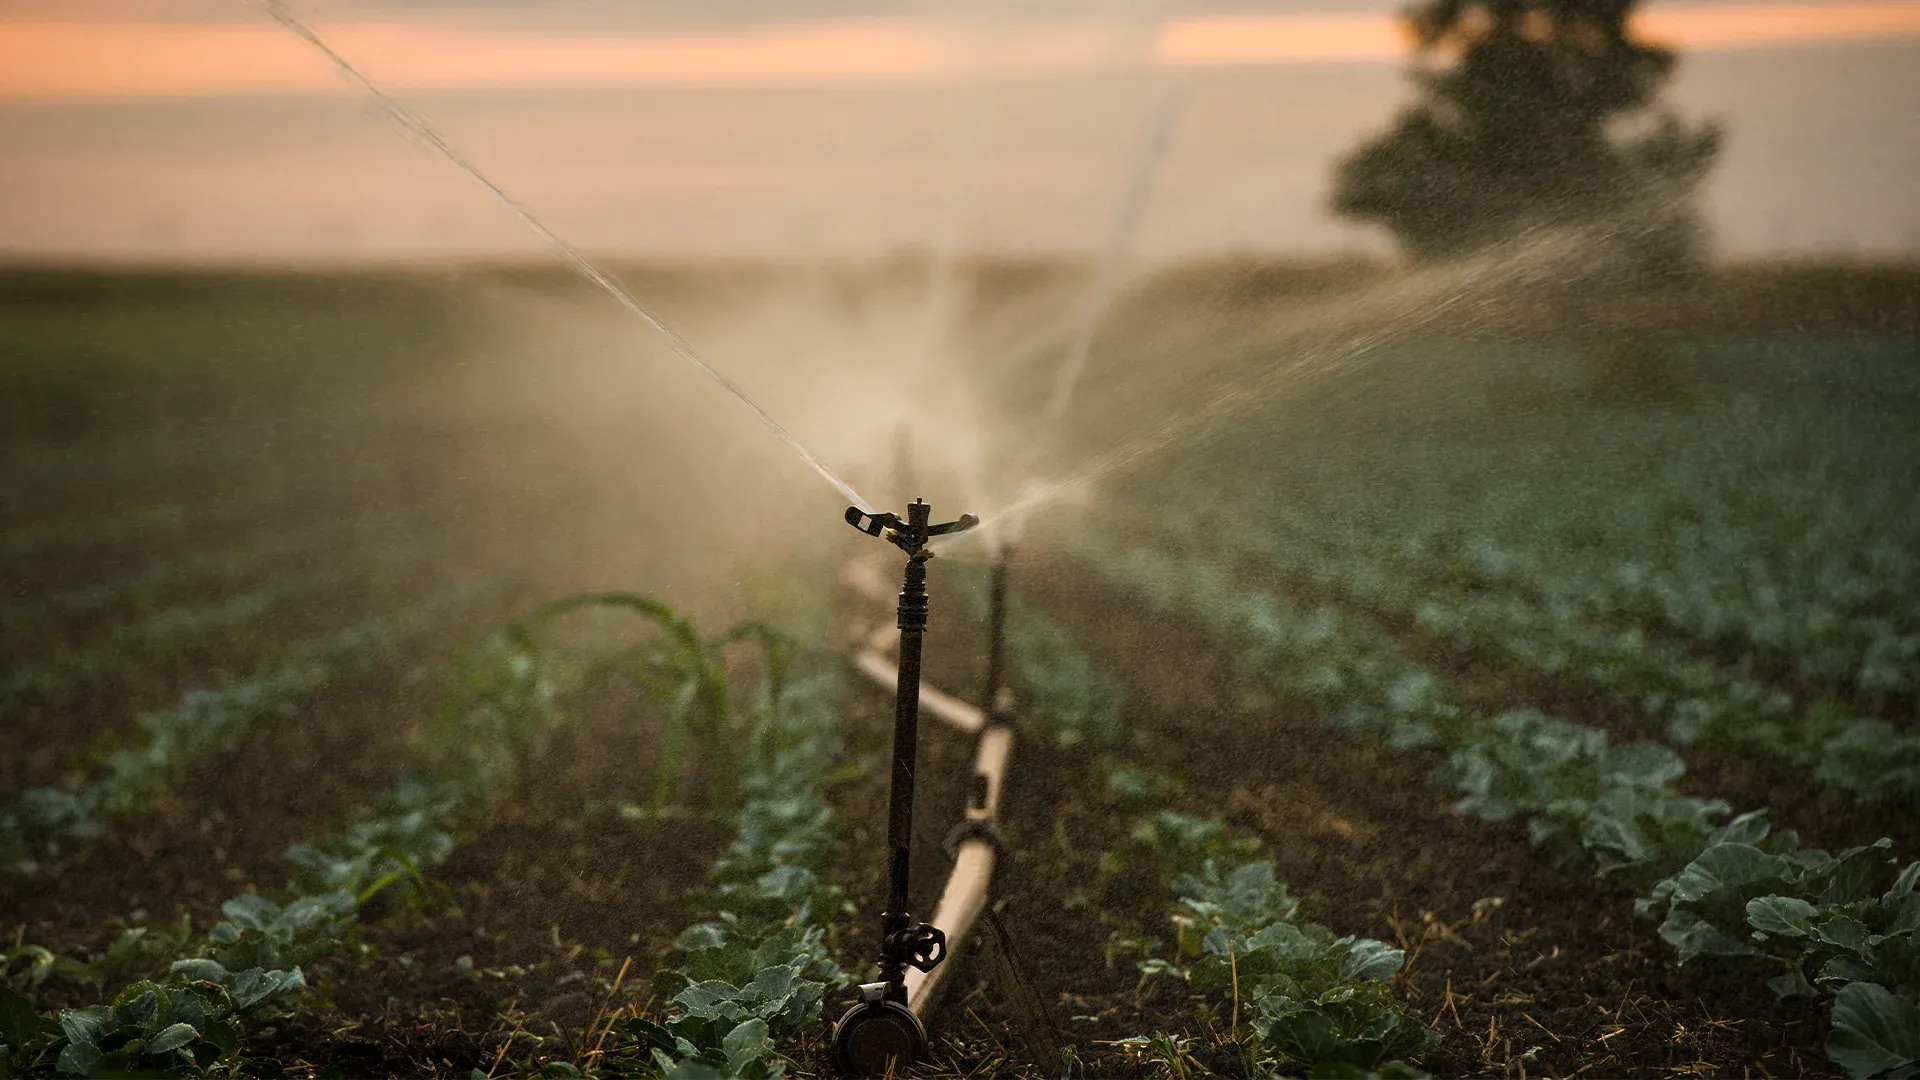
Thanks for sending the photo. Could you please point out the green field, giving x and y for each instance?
(1412, 670)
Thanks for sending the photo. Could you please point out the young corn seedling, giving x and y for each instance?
(687, 676)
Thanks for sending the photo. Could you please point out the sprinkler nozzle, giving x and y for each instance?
(911, 535)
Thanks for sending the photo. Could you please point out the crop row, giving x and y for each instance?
(138, 523)
(1715, 883)
(1694, 699)
(1313, 999)
(206, 722)
(1792, 546)
(190, 1015)
(771, 908)
(756, 972)
(181, 630)
(1833, 629)
(31, 472)
(225, 568)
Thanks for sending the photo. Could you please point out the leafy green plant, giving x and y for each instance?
(262, 933)
(1534, 606)
(1180, 843)
(1136, 788)
(1826, 921)
(501, 699)
(185, 1026)
(1726, 888)
(1875, 1031)
(1234, 893)
(687, 675)
(757, 971)
(1315, 999)
(1170, 1054)
(729, 1028)
(26, 1037)
(1079, 703)
(139, 952)
(1582, 795)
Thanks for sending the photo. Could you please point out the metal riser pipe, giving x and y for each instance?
(966, 892)
(959, 715)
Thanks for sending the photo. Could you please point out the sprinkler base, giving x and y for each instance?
(878, 1036)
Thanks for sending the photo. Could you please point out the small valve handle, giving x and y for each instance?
(922, 946)
(929, 947)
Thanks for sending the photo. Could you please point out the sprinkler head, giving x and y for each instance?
(911, 535)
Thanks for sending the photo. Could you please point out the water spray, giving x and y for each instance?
(424, 133)
(1128, 213)
(880, 1032)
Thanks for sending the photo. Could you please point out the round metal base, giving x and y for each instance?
(875, 1038)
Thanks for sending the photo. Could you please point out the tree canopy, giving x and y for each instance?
(1532, 112)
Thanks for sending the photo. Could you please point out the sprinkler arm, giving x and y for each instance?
(910, 536)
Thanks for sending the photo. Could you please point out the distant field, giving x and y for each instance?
(1474, 618)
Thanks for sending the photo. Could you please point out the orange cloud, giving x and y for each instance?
(55, 59)
(1757, 26)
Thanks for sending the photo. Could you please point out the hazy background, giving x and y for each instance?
(1555, 473)
(198, 130)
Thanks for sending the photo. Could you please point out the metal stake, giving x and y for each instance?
(880, 1029)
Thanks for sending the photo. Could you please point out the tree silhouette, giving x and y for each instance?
(1527, 118)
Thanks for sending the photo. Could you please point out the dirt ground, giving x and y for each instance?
(1523, 967)
(527, 468)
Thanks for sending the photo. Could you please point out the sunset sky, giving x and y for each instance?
(200, 129)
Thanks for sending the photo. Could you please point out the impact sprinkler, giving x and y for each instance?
(879, 1030)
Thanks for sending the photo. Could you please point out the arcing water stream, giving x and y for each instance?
(1106, 276)
(1326, 339)
(414, 125)
(1318, 340)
